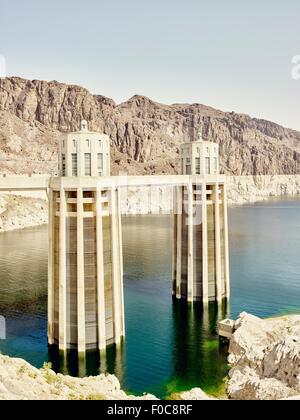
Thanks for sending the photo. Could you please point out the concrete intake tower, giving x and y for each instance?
(200, 255)
(85, 279)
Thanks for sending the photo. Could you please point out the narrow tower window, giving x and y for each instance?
(74, 164)
(63, 165)
(197, 166)
(87, 164)
(207, 165)
(100, 163)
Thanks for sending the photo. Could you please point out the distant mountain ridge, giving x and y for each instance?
(145, 135)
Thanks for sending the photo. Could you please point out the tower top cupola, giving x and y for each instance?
(84, 153)
(199, 157)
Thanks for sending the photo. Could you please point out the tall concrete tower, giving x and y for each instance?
(85, 289)
(200, 263)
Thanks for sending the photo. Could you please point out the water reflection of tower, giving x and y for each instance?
(199, 360)
(92, 364)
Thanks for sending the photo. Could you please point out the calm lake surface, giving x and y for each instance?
(169, 346)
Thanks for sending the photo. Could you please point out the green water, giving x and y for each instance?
(170, 346)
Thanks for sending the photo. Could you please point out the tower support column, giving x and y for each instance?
(50, 271)
(190, 250)
(117, 302)
(62, 298)
(121, 272)
(218, 243)
(178, 240)
(226, 246)
(205, 297)
(80, 275)
(100, 274)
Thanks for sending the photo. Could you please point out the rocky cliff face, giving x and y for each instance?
(145, 135)
(26, 147)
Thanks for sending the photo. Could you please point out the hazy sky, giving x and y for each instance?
(233, 55)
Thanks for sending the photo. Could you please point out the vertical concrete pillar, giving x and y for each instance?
(80, 274)
(50, 268)
(174, 245)
(190, 221)
(175, 235)
(62, 272)
(218, 243)
(115, 267)
(179, 241)
(101, 327)
(120, 262)
(226, 246)
(204, 246)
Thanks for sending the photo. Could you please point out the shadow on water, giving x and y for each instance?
(199, 356)
(93, 363)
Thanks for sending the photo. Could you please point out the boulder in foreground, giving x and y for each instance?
(265, 358)
(21, 381)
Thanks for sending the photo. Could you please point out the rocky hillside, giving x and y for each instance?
(26, 147)
(18, 212)
(145, 135)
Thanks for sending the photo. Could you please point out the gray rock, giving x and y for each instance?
(21, 381)
(195, 394)
(265, 357)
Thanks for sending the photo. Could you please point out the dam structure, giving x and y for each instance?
(85, 261)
